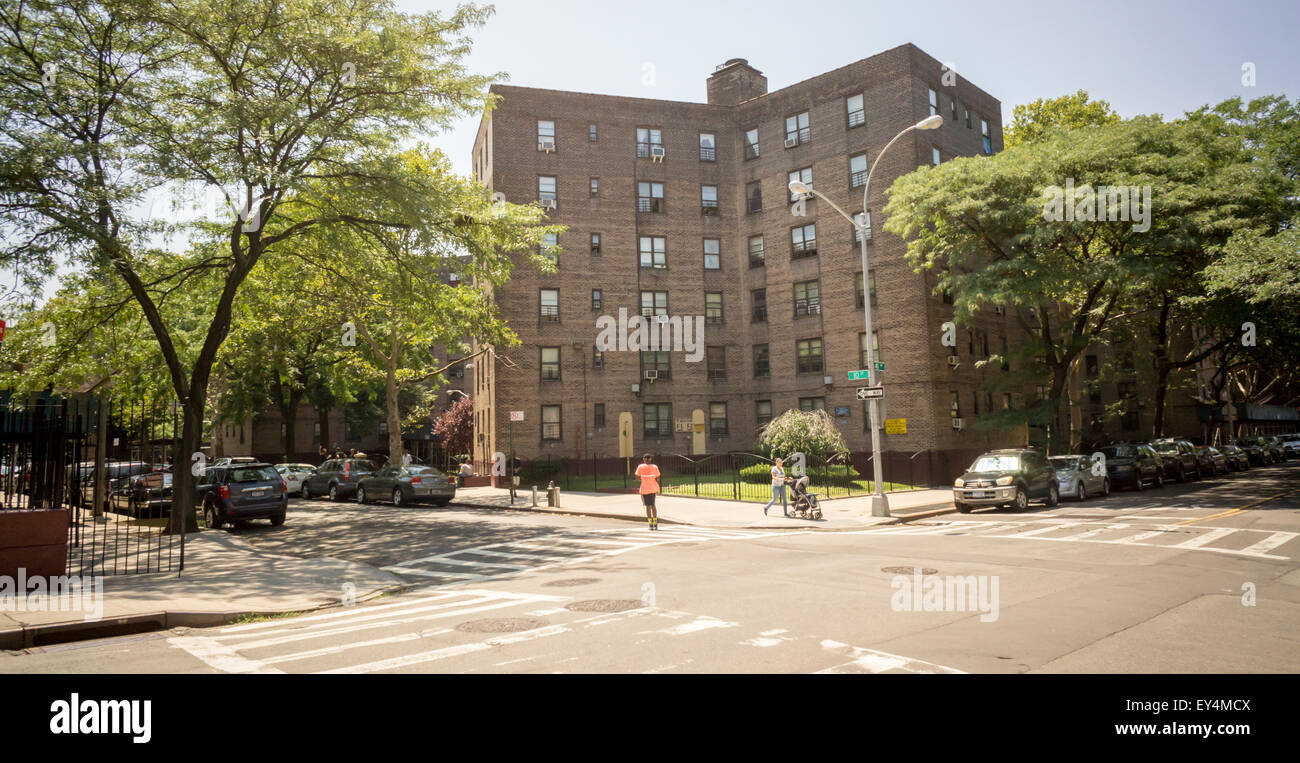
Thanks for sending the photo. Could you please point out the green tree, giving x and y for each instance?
(811, 433)
(1031, 121)
(456, 426)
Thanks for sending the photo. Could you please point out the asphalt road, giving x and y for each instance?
(1198, 577)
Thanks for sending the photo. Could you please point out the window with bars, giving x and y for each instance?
(809, 353)
(856, 114)
(708, 147)
(804, 175)
(713, 307)
(716, 360)
(550, 363)
(649, 197)
(549, 304)
(654, 303)
(595, 243)
(551, 428)
(758, 298)
(807, 298)
(656, 360)
(762, 361)
(803, 241)
(597, 299)
(709, 199)
(871, 283)
(712, 254)
(546, 189)
(657, 420)
(545, 134)
(754, 196)
(649, 142)
(797, 129)
(717, 419)
(857, 170)
(751, 143)
(653, 251)
(756, 251)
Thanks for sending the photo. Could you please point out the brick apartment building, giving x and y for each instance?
(683, 209)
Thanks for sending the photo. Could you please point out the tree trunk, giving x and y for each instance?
(393, 416)
(1057, 440)
(323, 416)
(289, 416)
(1162, 392)
(183, 480)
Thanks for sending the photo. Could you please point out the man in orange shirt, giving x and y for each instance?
(649, 474)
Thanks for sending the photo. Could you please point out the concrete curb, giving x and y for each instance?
(667, 521)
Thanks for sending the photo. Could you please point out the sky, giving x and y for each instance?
(1142, 56)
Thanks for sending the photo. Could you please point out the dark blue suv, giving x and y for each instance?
(236, 492)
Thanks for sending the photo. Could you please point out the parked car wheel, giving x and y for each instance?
(1105, 487)
(305, 491)
(445, 501)
(361, 494)
(964, 508)
(1022, 499)
(398, 498)
(1082, 495)
(277, 520)
(212, 518)
(1054, 494)
(334, 492)
(1138, 484)
(1160, 479)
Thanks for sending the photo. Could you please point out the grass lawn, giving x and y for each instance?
(717, 486)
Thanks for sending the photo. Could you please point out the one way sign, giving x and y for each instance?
(866, 393)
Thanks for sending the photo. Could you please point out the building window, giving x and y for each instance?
(1006, 360)
(988, 139)
(595, 243)
(955, 407)
(934, 102)
(762, 362)
(803, 241)
(709, 199)
(657, 419)
(653, 251)
(712, 254)
(967, 116)
(756, 251)
(546, 190)
(863, 361)
(550, 363)
(315, 432)
(812, 404)
(759, 299)
(551, 429)
(1006, 401)
(550, 304)
(857, 115)
(807, 298)
(596, 299)
(708, 147)
(797, 130)
(934, 156)
(545, 135)
(803, 176)
(717, 419)
(598, 416)
(871, 282)
(649, 197)
(649, 142)
(763, 412)
(751, 143)
(654, 303)
(857, 171)
(1091, 368)
(591, 133)
(1130, 421)
(550, 247)
(954, 111)
(597, 358)
(716, 358)
(713, 307)
(595, 186)
(810, 356)
(754, 196)
(657, 361)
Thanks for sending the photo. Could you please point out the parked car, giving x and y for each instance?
(237, 492)
(228, 460)
(1179, 457)
(337, 477)
(1075, 477)
(1133, 465)
(1291, 444)
(1010, 477)
(1211, 461)
(1238, 459)
(1256, 449)
(408, 484)
(1275, 445)
(146, 495)
(294, 474)
(117, 476)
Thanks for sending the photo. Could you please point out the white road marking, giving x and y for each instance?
(1042, 530)
(1271, 542)
(700, 623)
(1137, 539)
(431, 574)
(873, 661)
(1206, 538)
(219, 656)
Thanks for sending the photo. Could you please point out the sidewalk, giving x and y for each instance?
(838, 514)
(224, 579)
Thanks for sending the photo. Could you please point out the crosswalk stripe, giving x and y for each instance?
(1205, 539)
(1042, 530)
(339, 648)
(1137, 539)
(873, 661)
(1271, 542)
(431, 574)
(1096, 531)
(219, 656)
(334, 615)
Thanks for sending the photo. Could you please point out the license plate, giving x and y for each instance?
(981, 494)
(258, 493)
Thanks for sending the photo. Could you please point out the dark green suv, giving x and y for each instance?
(1009, 477)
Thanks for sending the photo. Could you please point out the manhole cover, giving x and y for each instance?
(501, 625)
(569, 582)
(909, 570)
(604, 605)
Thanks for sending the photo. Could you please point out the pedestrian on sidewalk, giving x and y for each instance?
(649, 474)
(778, 488)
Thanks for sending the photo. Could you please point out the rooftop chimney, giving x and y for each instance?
(734, 82)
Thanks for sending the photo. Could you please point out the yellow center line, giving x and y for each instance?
(1236, 511)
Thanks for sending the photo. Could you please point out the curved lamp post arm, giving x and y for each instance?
(867, 185)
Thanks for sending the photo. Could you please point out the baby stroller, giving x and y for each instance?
(802, 503)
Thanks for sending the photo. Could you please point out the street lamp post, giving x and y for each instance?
(879, 503)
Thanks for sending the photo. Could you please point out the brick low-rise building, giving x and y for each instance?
(683, 209)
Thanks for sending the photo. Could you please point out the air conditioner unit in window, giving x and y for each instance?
(828, 380)
(958, 424)
(651, 375)
(953, 361)
(546, 144)
(548, 203)
(657, 153)
(791, 142)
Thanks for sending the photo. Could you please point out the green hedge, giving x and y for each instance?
(839, 475)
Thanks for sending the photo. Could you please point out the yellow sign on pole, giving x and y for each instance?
(625, 435)
(698, 438)
(895, 426)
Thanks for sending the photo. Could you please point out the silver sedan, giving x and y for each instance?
(1077, 478)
